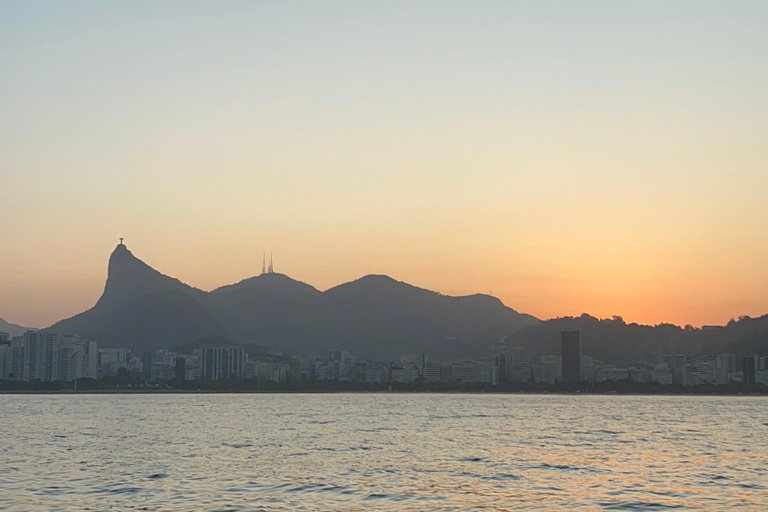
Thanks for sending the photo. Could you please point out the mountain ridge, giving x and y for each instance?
(374, 315)
(14, 330)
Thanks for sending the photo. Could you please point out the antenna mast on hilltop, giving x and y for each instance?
(271, 267)
(264, 263)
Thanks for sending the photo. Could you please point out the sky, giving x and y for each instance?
(566, 157)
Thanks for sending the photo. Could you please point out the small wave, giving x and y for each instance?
(638, 505)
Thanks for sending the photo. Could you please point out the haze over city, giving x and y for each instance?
(597, 157)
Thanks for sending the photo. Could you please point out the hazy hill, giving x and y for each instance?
(374, 316)
(616, 342)
(12, 329)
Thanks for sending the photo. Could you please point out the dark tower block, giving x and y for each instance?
(570, 353)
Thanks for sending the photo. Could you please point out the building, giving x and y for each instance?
(14, 360)
(748, 369)
(504, 362)
(50, 357)
(544, 373)
(609, 372)
(111, 360)
(41, 356)
(642, 374)
(432, 372)
(146, 362)
(223, 362)
(404, 373)
(678, 364)
(663, 374)
(570, 354)
(181, 369)
(522, 372)
(5, 348)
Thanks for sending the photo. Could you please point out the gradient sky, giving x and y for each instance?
(603, 157)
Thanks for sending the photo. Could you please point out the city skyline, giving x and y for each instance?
(602, 158)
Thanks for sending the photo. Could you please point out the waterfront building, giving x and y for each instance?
(222, 362)
(307, 368)
(544, 373)
(279, 373)
(748, 369)
(588, 366)
(4, 349)
(181, 369)
(570, 352)
(467, 371)
(678, 363)
(111, 360)
(446, 372)
(404, 373)
(642, 374)
(294, 371)
(41, 356)
(505, 361)
(432, 372)
(522, 372)
(377, 373)
(146, 361)
(14, 360)
(663, 374)
(609, 372)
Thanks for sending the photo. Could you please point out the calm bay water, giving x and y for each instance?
(367, 452)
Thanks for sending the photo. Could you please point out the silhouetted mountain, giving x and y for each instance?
(129, 278)
(274, 283)
(374, 316)
(616, 342)
(12, 329)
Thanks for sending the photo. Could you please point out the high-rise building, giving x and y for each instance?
(181, 369)
(748, 368)
(14, 360)
(223, 362)
(570, 354)
(146, 364)
(505, 362)
(4, 349)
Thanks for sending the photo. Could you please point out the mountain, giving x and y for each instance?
(375, 316)
(143, 309)
(12, 329)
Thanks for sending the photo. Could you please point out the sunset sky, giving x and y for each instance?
(567, 157)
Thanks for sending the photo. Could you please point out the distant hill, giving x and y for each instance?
(12, 329)
(375, 316)
(616, 342)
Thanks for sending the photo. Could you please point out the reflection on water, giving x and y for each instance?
(382, 452)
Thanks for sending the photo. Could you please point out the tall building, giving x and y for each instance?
(14, 360)
(748, 368)
(181, 369)
(4, 349)
(146, 364)
(78, 358)
(570, 354)
(223, 362)
(505, 362)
